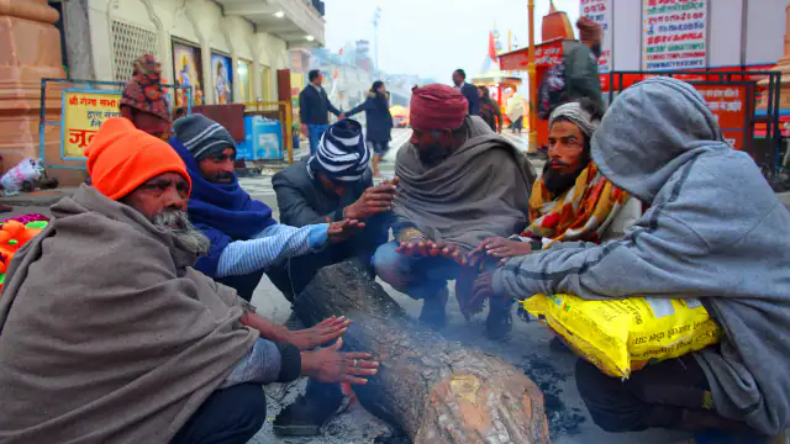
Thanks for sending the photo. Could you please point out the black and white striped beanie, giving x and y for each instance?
(202, 136)
(341, 153)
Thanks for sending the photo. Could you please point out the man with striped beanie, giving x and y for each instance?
(334, 184)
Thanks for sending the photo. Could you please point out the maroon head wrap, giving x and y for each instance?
(437, 107)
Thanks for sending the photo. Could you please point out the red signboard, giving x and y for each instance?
(729, 103)
(546, 54)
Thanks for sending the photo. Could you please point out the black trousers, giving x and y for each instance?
(673, 394)
(229, 416)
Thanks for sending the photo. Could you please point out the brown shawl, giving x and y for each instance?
(106, 335)
(481, 190)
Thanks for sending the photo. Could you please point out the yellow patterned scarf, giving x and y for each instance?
(582, 213)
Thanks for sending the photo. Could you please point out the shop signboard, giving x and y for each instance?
(546, 54)
(84, 111)
(730, 104)
(674, 34)
(600, 11)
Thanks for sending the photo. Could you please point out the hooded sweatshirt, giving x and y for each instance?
(715, 231)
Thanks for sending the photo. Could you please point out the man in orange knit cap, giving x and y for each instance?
(109, 335)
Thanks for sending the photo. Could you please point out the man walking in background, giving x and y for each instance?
(314, 105)
(468, 91)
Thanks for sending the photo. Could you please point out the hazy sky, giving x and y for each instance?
(431, 38)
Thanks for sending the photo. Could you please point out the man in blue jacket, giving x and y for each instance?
(716, 232)
(314, 106)
(468, 90)
(245, 239)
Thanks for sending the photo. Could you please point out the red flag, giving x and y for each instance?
(491, 46)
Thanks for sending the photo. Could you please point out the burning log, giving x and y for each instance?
(437, 391)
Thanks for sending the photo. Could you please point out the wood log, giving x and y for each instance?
(436, 391)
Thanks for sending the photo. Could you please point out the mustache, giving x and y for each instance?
(176, 222)
(221, 177)
(557, 162)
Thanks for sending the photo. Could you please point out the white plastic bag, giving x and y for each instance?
(28, 170)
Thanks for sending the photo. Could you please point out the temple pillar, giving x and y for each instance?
(29, 51)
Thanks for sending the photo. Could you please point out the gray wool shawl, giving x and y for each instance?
(106, 333)
(481, 190)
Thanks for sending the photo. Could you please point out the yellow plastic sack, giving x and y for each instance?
(620, 336)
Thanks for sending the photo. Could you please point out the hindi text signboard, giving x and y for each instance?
(730, 104)
(600, 11)
(674, 34)
(84, 111)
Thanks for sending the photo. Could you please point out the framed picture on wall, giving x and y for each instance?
(188, 71)
(244, 67)
(222, 78)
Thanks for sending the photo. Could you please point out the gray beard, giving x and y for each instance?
(176, 222)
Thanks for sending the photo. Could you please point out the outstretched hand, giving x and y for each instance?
(498, 248)
(330, 365)
(327, 331)
(343, 230)
(417, 246)
(449, 251)
(374, 200)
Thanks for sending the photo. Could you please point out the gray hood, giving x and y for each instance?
(651, 130)
(714, 231)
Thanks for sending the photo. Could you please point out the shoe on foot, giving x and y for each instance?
(499, 324)
(433, 310)
(310, 411)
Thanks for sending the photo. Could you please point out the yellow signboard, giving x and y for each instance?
(83, 113)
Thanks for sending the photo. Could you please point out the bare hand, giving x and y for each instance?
(483, 287)
(419, 246)
(303, 127)
(332, 366)
(373, 201)
(341, 116)
(343, 230)
(449, 251)
(498, 248)
(327, 331)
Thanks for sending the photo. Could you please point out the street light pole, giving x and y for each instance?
(376, 17)
(533, 83)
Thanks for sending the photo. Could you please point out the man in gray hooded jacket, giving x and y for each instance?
(714, 231)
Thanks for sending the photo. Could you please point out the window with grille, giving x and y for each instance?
(128, 43)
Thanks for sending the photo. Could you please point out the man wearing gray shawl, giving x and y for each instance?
(108, 335)
(716, 232)
(459, 184)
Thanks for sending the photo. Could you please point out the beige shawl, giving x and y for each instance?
(481, 190)
(106, 334)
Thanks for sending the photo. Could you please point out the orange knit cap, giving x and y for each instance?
(121, 158)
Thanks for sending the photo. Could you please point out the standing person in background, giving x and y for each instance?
(515, 112)
(581, 65)
(314, 105)
(377, 112)
(489, 110)
(468, 91)
(144, 101)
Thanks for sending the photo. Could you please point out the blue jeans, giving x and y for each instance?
(418, 277)
(314, 133)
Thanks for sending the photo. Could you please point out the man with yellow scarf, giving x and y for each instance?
(571, 201)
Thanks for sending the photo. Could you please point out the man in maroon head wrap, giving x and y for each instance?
(460, 183)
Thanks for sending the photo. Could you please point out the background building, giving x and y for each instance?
(197, 41)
